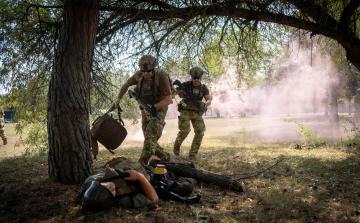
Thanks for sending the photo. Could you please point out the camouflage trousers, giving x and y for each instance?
(3, 135)
(184, 126)
(152, 130)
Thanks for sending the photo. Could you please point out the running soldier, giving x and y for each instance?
(2, 126)
(153, 87)
(192, 113)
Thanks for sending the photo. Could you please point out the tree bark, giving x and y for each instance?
(189, 170)
(69, 157)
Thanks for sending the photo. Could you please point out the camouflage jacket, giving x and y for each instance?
(146, 93)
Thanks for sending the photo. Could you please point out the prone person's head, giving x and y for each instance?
(99, 196)
(110, 186)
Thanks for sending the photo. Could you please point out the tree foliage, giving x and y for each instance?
(178, 29)
(183, 30)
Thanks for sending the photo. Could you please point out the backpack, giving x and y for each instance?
(108, 131)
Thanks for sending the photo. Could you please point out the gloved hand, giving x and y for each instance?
(153, 109)
(116, 103)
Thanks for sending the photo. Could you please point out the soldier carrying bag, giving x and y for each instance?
(108, 131)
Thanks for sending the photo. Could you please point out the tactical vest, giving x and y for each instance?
(2, 120)
(198, 95)
(2, 112)
(148, 86)
(122, 187)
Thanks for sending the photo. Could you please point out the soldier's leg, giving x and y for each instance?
(199, 129)
(146, 151)
(184, 127)
(152, 133)
(3, 136)
(159, 151)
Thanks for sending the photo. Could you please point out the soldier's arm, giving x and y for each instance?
(123, 90)
(180, 92)
(149, 190)
(207, 100)
(165, 90)
(126, 86)
(163, 103)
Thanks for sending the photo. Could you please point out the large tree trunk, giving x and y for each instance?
(70, 160)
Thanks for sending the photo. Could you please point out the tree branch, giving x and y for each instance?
(348, 11)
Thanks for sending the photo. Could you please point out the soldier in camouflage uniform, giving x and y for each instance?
(153, 87)
(192, 114)
(109, 190)
(356, 105)
(2, 126)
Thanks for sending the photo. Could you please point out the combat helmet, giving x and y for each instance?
(196, 72)
(147, 62)
(97, 197)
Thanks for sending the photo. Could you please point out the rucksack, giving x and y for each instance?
(108, 131)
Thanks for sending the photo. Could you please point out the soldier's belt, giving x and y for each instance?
(191, 110)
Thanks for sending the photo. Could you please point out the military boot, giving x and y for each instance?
(176, 149)
(5, 141)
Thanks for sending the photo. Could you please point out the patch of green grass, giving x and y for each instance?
(310, 185)
(13, 148)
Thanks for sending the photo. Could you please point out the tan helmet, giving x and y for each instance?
(196, 72)
(147, 62)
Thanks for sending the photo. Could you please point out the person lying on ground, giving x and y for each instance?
(109, 188)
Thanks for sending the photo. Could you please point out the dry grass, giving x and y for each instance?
(13, 148)
(311, 185)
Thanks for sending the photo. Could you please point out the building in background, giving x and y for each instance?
(9, 114)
